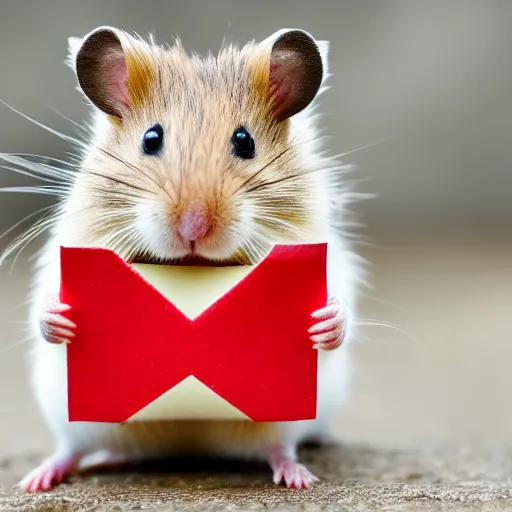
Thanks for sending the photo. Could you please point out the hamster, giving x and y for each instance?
(218, 159)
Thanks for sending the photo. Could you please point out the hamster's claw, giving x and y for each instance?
(328, 332)
(50, 473)
(55, 326)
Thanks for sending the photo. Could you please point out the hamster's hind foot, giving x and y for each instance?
(286, 469)
(51, 472)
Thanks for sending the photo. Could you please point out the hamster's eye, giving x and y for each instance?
(153, 139)
(243, 143)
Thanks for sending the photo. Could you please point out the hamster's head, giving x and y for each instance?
(196, 158)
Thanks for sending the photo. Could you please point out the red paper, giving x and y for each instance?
(250, 347)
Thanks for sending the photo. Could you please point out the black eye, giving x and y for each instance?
(243, 143)
(153, 139)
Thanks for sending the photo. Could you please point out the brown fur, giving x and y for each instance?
(199, 102)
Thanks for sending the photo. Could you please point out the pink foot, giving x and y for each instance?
(328, 332)
(294, 475)
(50, 473)
(286, 469)
(55, 327)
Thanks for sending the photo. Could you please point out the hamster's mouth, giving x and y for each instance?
(191, 260)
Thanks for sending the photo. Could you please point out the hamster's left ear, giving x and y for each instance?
(298, 67)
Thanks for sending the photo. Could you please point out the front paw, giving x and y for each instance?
(55, 326)
(328, 332)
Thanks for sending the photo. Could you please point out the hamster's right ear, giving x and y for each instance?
(113, 72)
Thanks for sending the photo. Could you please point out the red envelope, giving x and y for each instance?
(137, 356)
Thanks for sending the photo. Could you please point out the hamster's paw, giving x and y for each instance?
(293, 474)
(286, 469)
(55, 326)
(50, 473)
(328, 332)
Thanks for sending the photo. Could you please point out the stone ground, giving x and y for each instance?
(427, 426)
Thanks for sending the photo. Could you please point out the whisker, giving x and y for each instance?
(291, 177)
(31, 234)
(370, 145)
(36, 169)
(248, 249)
(128, 242)
(19, 342)
(42, 190)
(370, 322)
(33, 214)
(42, 157)
(257, 173)
(27, 173)
(258, 245)
(127, 196)
(116, 180)
(276, 222)
(79, 126)
(124, 240)
(392, 305)
(120, 198)
(324, 169)
(47, 128)
(134, 168)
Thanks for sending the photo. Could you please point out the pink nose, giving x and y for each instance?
(194, 225)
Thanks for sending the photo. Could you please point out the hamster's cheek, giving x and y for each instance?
(153, 231)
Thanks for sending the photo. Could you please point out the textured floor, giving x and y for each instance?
(353, 478)
(446, 381)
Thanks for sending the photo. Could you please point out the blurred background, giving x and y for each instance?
(436, 73)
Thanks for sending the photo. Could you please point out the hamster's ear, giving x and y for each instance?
(112, 69)
(101, 70)
(296, 71)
